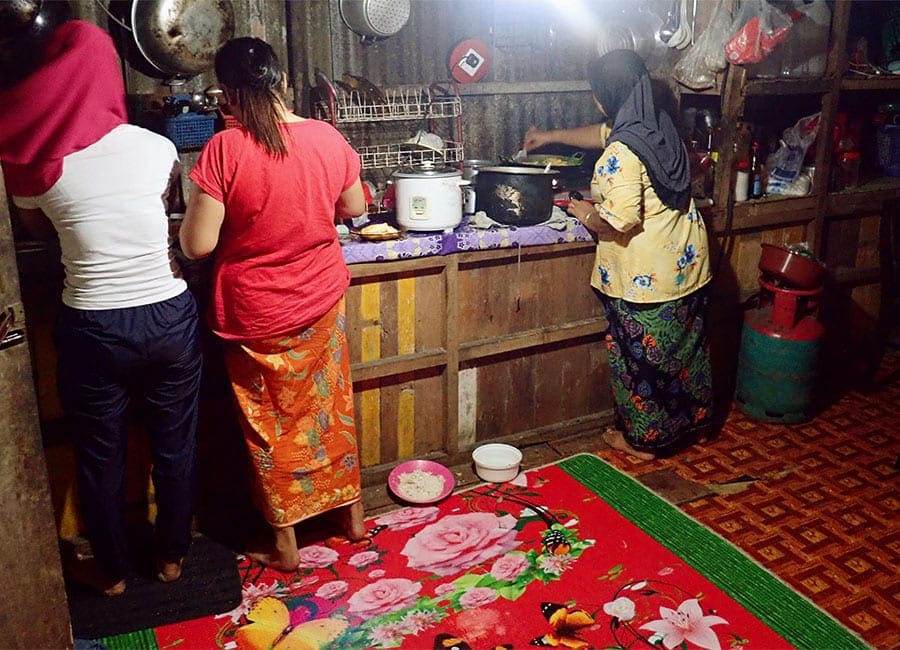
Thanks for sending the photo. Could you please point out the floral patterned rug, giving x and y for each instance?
(575, 555)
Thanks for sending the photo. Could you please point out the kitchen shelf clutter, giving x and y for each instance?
(418, 105)
(745, 99)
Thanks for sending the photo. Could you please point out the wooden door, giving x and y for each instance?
(32, 590)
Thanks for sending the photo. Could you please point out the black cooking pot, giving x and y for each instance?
(24, 28)
(515, 196)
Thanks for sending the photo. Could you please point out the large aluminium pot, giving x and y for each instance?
(428, 198)
(180, 38)
(515, 196)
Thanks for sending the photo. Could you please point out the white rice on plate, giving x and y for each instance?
(420, 485)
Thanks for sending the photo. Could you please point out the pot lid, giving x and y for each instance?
(427, 170)
(518, 171)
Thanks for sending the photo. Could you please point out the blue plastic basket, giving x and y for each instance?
(190, 130)
(888, 143)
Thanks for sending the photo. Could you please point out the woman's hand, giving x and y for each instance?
(581, 210)
(535, 138)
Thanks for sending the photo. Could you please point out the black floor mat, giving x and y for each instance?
(209, 584)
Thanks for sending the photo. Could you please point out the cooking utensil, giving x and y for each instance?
(554, 162)
(636, 30)
(17, 16)
(180, 38)
(515, 196)
(24, 26)
(470, 171)
(374, 19)
(670, 26)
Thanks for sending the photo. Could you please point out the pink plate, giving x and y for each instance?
(426, 466)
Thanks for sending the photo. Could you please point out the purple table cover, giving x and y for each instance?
(463, 238)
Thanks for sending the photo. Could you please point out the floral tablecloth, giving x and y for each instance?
(463, 238)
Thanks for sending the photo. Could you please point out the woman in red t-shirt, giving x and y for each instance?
(265, 199)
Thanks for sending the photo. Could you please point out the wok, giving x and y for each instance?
(556, 162)
(180, 38)
(24, 28)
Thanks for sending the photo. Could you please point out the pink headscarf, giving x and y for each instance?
(74, 98)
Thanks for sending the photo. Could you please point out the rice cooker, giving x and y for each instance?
(429, 198)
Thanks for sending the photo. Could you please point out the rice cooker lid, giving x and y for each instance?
(427, 170)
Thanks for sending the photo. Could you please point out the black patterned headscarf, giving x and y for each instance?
(621, 83)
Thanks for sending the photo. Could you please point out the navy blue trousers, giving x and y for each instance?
(106, 360)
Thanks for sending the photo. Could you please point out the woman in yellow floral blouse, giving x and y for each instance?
(652, 267)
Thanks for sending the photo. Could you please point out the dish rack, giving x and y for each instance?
(351, 110)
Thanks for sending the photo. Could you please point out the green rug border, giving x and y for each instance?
(796, 618)
(139, 640)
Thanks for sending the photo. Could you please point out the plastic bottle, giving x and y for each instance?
(742, 182)
(756, 172)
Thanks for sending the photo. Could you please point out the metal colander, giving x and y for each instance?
(375, 18)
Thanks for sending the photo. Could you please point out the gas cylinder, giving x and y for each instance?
(781, 348)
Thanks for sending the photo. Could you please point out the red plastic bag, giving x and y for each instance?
(757, 29)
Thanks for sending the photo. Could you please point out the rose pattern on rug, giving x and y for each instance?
(487, 568)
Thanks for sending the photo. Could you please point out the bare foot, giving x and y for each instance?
(284, 555)
(615, 439)
(90, 574)
(353, 522)
(169, 571)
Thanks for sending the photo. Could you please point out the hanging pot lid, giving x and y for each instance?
(181, 37)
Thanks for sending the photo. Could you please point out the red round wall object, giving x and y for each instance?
(469, 61)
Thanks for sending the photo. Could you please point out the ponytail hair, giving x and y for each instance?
(255, 81)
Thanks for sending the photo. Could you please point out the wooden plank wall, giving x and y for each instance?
(391, 316)
(452, 351)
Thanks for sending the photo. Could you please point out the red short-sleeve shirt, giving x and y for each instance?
(278, 265)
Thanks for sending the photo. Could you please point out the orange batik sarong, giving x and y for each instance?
(295, 402)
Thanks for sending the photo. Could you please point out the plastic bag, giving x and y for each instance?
(757, 29)
(785, 163)
(697, 69)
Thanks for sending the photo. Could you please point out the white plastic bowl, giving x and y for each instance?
(496, 462)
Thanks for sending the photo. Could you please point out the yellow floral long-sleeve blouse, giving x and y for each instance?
(658, 254)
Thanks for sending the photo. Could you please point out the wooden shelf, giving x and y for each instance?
(524, 88)
(869, 195)
(758, 87)
(881, 82)
(766, 212)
